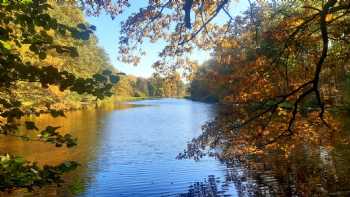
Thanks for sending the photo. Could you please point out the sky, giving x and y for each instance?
(108, 32)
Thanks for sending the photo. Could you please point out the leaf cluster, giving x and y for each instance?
(27, 27)
(16, 172)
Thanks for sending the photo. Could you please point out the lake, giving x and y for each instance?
(130, 150)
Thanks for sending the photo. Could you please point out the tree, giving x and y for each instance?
(26, 24)
(280, 85)
(91, 60)
(279, 56)
(282, 46)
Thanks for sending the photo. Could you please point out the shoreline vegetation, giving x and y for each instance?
(115, 100)
(280, 70)
(88, 61)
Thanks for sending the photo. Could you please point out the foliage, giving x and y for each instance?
(155, 86)
(281, 80)
(279, 68)
(207, 83)
(16, 172)
(27, 40)
(91, 60)
(50, 62)
(280, 76)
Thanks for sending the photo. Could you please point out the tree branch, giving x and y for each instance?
(216, 12)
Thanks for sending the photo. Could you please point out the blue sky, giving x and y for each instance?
(108, 32)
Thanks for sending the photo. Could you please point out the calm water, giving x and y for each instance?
(131, 151)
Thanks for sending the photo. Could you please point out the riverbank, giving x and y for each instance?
(68, 106)
(126, 99)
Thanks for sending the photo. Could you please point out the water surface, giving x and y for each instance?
(131, 151)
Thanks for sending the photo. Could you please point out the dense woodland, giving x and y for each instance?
(280, 70)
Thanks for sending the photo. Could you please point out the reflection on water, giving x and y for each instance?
(209, 187)
(130, 151)
(308, 169)
(318, 174)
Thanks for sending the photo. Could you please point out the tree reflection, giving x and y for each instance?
(293, 166)
(209, 187)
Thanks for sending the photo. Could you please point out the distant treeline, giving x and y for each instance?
(155, 86)
(89, 60)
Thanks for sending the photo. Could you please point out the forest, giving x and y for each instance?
(278, 72)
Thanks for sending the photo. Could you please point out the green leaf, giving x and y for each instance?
(6, 45)
(19, 160)
(4, 2)
(26, 1)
